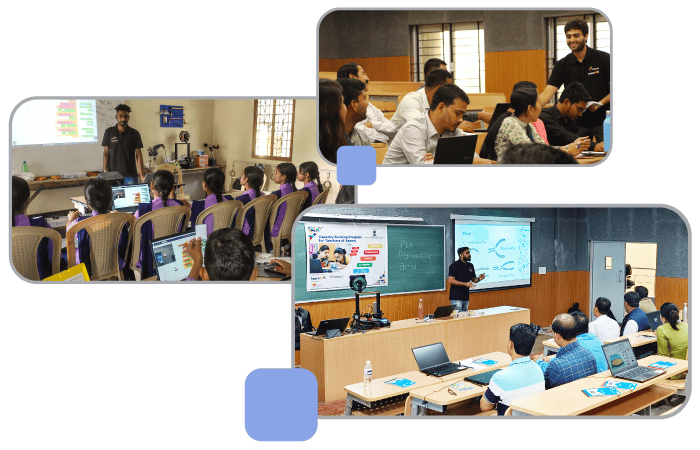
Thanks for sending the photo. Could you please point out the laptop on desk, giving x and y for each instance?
(332, 324)
(170, 257)
(443, 311)
(456, 150)
(623, 364)
(432, 360)
(654, 319)
(127, 198)
(482, 379)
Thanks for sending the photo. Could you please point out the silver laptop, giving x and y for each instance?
(432, 360)
(623, 364)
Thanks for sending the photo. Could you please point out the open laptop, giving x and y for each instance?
(171, 259)
(482, 379)
(127, 198)
(432, 360)
(456, 150)
(499, 110)
(623, 364)
(443, 311)
(654, 319)
(332, 324)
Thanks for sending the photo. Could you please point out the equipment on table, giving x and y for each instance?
(370, 320)
(623, 364)
(152, 153)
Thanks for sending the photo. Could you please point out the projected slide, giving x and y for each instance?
(55, 122)
(499, 250)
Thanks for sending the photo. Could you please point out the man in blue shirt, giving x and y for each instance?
(521, 378)
(572, 361)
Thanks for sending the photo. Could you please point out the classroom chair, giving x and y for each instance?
(321, 199)
(381, 150)
(223, 214)
(25, 244)
(177, 172)
(294, 202)
(262, 206)
(165, 222)
(678, 384)
(104, 231)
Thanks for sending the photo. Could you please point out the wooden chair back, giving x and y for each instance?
(165, 221)
(223, 214)
(104, 231)
(321, 199)
(381, 150)
(25, 244)
(294, 201)
(262, 206)
(178, 176)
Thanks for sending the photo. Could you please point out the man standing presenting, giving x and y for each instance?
(591, 68)
(461, 277)
(122, 148)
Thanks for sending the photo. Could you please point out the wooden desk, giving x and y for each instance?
(589, 159)
(636, 339)
(568, 400)
(338, 362)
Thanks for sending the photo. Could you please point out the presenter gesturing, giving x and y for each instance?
(123, 148)
(461, 277)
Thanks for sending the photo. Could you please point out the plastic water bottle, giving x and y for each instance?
(606, 132)
(685, 312)
(420, 309)
(25, 167)
(367, 381)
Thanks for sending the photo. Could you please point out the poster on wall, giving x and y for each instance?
(334, 252)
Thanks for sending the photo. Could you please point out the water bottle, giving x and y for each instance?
(420, 309)
(25, 167)
(367, 381)
(685, 312)
(606, 132)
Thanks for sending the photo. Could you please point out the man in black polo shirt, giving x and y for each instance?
(560, 119)
(461, 277)
(123, 148)
(591, 68)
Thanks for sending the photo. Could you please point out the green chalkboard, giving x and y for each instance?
(416, 263)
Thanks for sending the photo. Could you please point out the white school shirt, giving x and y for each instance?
(414, 140)
(604, 328)
(412, 106)
(630, 327)
(382, 128)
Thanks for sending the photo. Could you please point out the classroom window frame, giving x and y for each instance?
(269, 149)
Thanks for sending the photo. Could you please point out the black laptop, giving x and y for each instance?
(654, 319)
(127, 198)
(332, 324)
(623, 364)
(482, 379)
(432, 360)
(456, 149)
(443, 311)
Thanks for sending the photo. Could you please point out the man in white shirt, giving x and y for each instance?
(415, 104)
(375, 126)
(355, 99)
(604, 327)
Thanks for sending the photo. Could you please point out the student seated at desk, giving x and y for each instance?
(589, 341)
(331, 119)
(414, 104)
(356, 101)
(636, 319)
(229, 256)
(213, 185)
(605, 327)
(521, 378)
(672, 336)
(251, 181)
(308, 172)
(646, 304)
(20, 203)
(538, 125)
(572, 361)
(285, 175)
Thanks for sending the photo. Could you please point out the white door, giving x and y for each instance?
(608, 276)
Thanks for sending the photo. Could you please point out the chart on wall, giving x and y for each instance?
(334, 252)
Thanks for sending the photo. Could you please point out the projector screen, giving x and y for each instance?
(55, 122)
(499, 247)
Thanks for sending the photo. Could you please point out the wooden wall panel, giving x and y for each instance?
(391, 68)
(673, 290)
(504, 69)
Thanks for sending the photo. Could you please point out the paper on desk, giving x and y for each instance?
(588, 105)
(471, 364)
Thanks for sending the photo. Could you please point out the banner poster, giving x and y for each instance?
(334, 252)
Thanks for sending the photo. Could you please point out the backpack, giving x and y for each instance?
(302, 324)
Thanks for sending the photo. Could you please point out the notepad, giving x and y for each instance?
(620, 385)
(401, 382)
(601, 392)
(462, 386)
(661, 365)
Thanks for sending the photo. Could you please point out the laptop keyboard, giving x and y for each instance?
(439, 368)
(639, 370)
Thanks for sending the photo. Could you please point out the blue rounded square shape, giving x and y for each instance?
(281, 404)
(357, 165)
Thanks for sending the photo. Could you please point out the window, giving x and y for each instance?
(274, 129)
(461, 45)
(598, 38)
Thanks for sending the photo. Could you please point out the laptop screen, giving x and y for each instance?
(430, 355)
(172, 261)
(130, 196)
(654, 319)
(620, 356)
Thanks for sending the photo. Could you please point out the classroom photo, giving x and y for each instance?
(465, 87)
(474, 312)
(163, 189)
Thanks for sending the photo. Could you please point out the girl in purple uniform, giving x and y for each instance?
(308, 172)
(285, 175)
(213, 185)
(251, 181)
(20, 202)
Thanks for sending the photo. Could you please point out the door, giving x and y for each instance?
(608, 276)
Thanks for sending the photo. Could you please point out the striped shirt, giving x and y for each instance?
(520, 379)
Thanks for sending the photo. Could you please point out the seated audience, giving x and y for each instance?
(572, 361)
(589, 341)
(560, 119)
(20, 203)
(646, 304)
(331, 119)
(538, 125)
(521, 378)
(635, 319)
(355, 99)
(415, 104)
(672, 336)
(213, 185)
(604, 327)
(252, 181)
(308, 172)
(229, 256)
(536, 154)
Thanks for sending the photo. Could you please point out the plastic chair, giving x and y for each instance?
(223, 214)
(104, 231)
(178, 176)
(321, 199)
(294, 201)
(262, 207)
(25, 244)
(166, 221)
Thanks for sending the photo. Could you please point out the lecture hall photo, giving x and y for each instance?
(525, 311)
(163, 189)
(463, 87)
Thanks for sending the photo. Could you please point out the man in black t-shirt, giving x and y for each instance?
(122, 148)
(589, 67)
(461, 277)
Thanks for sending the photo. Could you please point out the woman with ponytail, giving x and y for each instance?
(20, 202)
(308, 172)
(286, 176)
(213, 185)
(252, 180)
(672, 336)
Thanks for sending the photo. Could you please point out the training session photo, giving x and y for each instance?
(455, 87)
(168, 190)
(528, 311)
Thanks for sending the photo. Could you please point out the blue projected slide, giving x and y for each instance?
(501, 250)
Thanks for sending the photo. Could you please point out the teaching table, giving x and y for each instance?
(338, 362)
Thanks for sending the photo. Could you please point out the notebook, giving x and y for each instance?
(171, 259)
(127, 198)
(623, 364)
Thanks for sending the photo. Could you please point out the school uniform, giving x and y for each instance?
(44, 254)
(284, 189)
(82, 250)
(145, 262)
(312, 188)
(249, 221)
(200, 205)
